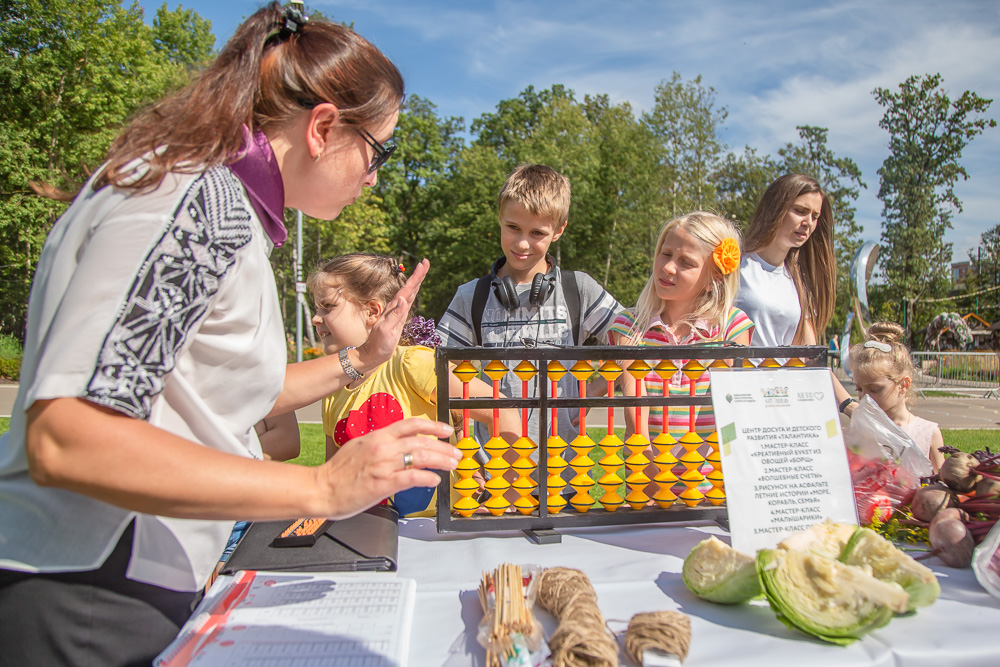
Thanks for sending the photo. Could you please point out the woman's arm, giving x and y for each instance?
(279, 436)
(310, 381)
(77, 445)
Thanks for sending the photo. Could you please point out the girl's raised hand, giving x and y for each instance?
(384, 336)
(381, 463)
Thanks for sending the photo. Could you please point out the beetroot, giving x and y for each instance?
(988, 487)
(959, 472)
(952, 513)
(951, 542)
(929, 500)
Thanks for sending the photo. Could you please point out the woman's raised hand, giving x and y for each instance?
(384, 336)
(376, 465)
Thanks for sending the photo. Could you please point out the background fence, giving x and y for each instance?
(962, 372)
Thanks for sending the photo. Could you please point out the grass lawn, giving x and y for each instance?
(970, 440)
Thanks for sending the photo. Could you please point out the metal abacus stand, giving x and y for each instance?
(532, 513)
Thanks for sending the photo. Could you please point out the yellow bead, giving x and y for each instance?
(495, 370)
(582, 370)
(639, 369)
(525, 370)
(555, 370)
(465, 371)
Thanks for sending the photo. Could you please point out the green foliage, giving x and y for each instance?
(80, 69)
(985, 275)
(10, 357)
(740, 182)
(10, 368)
(10, 346)
(927, 134)
(685, 122)
(898, 531)
(182, 36)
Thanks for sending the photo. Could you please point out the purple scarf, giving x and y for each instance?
(258, 170)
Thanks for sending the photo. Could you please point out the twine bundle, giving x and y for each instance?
(582, 638)
(663, 631)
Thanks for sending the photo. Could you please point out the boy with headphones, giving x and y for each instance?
(526, 300)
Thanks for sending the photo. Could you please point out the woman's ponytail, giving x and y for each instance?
(273, 65)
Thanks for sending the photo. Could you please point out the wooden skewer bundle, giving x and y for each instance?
(511, 613)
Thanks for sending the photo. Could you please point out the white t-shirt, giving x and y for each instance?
(768, 297)
(163, 307)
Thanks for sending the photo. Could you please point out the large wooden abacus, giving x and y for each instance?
(684, 468)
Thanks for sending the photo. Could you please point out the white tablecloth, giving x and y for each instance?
(637, 568)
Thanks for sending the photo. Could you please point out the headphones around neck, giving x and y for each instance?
(542, 286)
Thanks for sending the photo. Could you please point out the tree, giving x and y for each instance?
(984, 279)
(685, 122)
(927, 133)
(840, 177)
(412, 185)
(76, 71)
(183, 36)
(740, 181)
(627, 198)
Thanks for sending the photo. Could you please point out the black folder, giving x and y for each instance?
(366, 542)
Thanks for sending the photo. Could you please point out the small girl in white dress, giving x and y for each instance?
(883, 370)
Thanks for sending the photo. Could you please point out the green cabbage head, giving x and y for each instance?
(715, 571)
(869, 550)
(825, 598)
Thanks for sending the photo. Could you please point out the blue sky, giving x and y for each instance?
(774, 65)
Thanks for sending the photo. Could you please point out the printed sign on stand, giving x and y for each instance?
(782, 451)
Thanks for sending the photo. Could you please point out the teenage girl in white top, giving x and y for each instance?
(788, 274)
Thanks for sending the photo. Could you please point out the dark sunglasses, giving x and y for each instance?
(382, 152)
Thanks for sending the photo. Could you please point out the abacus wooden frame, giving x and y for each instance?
(541, 519)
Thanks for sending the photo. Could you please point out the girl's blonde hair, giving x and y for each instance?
(713, 306)
(361, 277)
(894, 364)
(813, 267)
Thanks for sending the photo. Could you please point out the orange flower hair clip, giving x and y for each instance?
(727, 255)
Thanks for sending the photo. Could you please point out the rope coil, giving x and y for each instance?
(583, 639)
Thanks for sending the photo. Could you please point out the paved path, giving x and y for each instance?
(948, 413)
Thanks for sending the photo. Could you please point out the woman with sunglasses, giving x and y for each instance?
(155, 344)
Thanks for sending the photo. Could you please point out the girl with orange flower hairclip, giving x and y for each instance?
(687, 299)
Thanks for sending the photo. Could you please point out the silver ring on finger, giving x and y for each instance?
(407, 461)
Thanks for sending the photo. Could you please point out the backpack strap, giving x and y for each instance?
(479, 298)
(571, 292)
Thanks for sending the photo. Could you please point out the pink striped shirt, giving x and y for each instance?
(658, 333)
